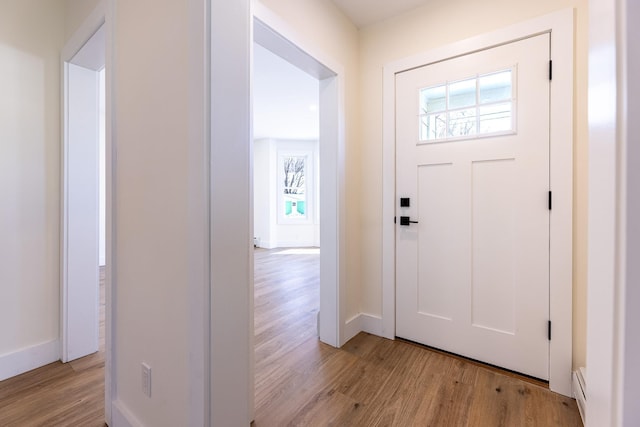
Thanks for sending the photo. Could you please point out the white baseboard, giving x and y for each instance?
(27, 359)
(362, 323)
(580, 392)
(352, 327)
(266, 244)
(295, 244)
(121, 416)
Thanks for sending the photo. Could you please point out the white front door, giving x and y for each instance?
(472, 162)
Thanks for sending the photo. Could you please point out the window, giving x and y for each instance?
(295, 188)
(478, 106)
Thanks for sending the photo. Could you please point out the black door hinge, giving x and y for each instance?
(550, 200)
(550, 70)
(394, 219)
(549, 330)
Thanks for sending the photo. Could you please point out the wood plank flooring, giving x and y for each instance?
(58, 394)
(372, 381)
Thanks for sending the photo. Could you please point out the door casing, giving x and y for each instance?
(560, 25)
(88, 28)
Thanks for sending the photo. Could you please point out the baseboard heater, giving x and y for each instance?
(580, 391)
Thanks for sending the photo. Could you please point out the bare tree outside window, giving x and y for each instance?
(294, 175)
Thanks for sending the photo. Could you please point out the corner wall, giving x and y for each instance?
(31, 37)
(435, 25)
(160, 216)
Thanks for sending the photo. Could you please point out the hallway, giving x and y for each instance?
(371, 380)
(300, 381)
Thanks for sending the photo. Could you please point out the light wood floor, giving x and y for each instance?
(371, 381)
(58, 394)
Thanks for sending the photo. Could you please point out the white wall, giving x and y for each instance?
(264, 191)
(31, 36)
(76, 12)
(178, 250)
(160, 209)
(439, 23)
(268, 227)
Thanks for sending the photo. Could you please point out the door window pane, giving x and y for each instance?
(433, 99)
(495, 118)
(495, 87)
(433, 126)
(462, 94)
(462, 123)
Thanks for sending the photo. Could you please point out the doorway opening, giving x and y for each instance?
(329, 186)
(300, 213)
(286, 212)
(83, 200)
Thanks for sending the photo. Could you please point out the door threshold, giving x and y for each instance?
(507, 372)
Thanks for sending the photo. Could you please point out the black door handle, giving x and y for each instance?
(405, 220)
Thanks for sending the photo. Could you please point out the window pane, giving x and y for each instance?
(462, 122)
(294, 187)
(433, 126)
(462, 94)
(495, 118)
(496, 87)
(433, 99)
(294, 205)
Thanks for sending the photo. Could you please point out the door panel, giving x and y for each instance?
(492, 215)
(438, 266)
(472, 153)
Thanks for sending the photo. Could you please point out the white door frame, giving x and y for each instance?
(560, 25)
(274, 34)
(613, 345)
(83, 34)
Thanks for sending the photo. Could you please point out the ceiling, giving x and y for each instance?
(285, 99)
(367, 12)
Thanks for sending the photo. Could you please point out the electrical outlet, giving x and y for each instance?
(146, 379)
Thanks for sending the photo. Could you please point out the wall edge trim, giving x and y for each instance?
(29, 358)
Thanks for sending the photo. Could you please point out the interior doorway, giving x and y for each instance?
(330, 179)
(286, 214)
(330, 206)
(83, 198)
